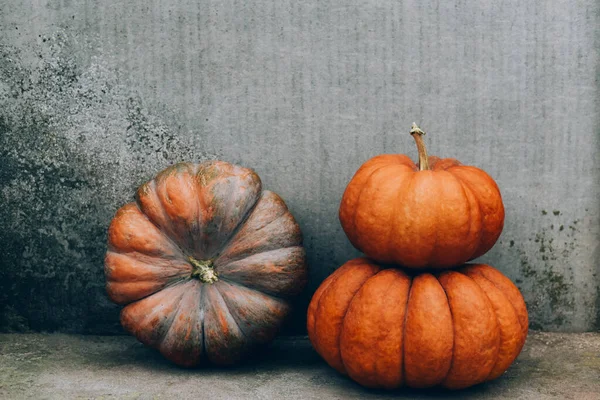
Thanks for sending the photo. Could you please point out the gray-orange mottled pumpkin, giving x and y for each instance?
(204, 261)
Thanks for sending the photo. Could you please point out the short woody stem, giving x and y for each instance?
(203, 270)
(417, 134)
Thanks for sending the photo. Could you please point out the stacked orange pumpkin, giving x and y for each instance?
(412, 313)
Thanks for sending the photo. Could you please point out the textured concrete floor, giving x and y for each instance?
(552, 366)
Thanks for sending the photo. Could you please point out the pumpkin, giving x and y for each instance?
(204, 261)
(387, 329)
(436, 214)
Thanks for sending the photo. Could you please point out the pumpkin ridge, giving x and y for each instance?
(453, 333)
(497, 324)
(503, 294)
(470, 212)
(467, 186)
(429, 340)
(493, 185)
(111, 247)
(240, 225)
(230, 240)
(233, 318)
(406, 188)
(148, 259)
(162, 211)
(234, 260)
(519, 296)
(180, 281)
(257, 315)
(327, 282)
(174, 282)
(318, 307)
(362, 189)
(200, 229)
(435, 252)
(435, 241)
(237, 284)
(171, 316)
(175, 270)
(175, 313)
(230, 278)
(224, 327)
(406, 184)
(201, 314)
(227, 242)
(371, 268)
(110, 288)
(403, 370)
(284, 210)
(387, 289)
(339, 339)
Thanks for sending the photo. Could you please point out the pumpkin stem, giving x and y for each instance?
(417, 134)
(203, 270)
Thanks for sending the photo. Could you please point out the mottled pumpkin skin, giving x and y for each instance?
(437, 218)
(213, 212)
(387, 329)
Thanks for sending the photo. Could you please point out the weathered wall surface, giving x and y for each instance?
(96, 96)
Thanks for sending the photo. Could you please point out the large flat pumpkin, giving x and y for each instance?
(204, 261)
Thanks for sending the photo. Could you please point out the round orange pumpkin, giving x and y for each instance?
(204, 261)
(387, 329)
(437, 214)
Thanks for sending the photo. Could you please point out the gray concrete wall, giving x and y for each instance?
(96, 96)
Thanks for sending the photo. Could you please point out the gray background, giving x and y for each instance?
(97, 96)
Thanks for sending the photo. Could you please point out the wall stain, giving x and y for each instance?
(549, 290)
(75, 142)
